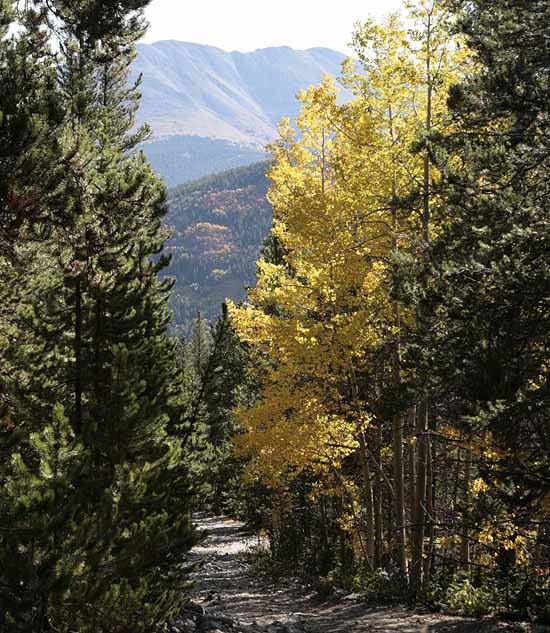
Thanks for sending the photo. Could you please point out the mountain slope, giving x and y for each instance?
(212, 110)
(180, 159)
(192, 89)
(218, 225)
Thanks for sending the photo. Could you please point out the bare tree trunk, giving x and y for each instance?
(420, 498)
(378, 502)
(397, 428)
(422, 420)
(465, 540)
(398, 468)
(397, 422)
(412, 469)
(430, 526)
(369, 501)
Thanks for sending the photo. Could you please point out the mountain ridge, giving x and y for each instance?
(201, 90)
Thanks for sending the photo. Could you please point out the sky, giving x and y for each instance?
(246, 25)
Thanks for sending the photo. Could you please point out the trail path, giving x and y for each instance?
(229, 596)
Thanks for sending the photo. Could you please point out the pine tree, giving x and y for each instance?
(488, 283)
(36, 462)
(492, 263)
(216, 383)
(30, 114)
(96, 507)
(231, 386)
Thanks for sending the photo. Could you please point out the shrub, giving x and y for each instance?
(463, 598)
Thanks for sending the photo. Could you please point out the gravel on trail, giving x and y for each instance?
(230, 597)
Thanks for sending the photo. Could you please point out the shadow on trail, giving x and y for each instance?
(227, 583)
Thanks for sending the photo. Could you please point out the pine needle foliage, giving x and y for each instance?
(95, 497)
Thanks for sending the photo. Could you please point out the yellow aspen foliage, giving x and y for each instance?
(315, 313)
(324, 307)
(501, 533)
(479, 486)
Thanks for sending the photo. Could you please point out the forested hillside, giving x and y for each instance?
(219, 225)
(181, 159)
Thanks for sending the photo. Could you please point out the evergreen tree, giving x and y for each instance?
(30, 117)
(94, 513)
(491, 269)
(488, 283)
(217, 382)
(231, 386)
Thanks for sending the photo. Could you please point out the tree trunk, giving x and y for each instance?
(420, 498)
(78, 359)
(422, 420)
(430, 525)
(398, 469)
(369, 501)
(412, 469)
(378, 502)
(465, 540)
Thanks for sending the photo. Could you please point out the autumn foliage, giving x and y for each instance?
(352, 423)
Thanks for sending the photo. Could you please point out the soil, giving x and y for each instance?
(228, 585)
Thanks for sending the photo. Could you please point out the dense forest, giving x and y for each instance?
(107, 438)
(218, 226)
(399, 327)
(378, 407)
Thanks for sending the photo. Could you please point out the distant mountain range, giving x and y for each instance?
(219, 225)
(212, 110)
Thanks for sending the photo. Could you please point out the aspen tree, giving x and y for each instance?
(342, 192)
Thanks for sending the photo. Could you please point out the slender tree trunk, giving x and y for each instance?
(397, 424)
(369, 500)
(430, 524)
(426, 215)
(78, 359)
(427, 190)
(378, 502)
(412, 469)
(465, 540)
(324, 522)
(422, 420)
(398, 468)
(420, 497)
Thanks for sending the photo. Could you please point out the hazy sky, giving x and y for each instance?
(245, 25)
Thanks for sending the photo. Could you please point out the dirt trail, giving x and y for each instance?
(226, 586)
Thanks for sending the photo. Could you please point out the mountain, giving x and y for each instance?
(211, 109)
(219, 225)
(180, 159)
(192, 89)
